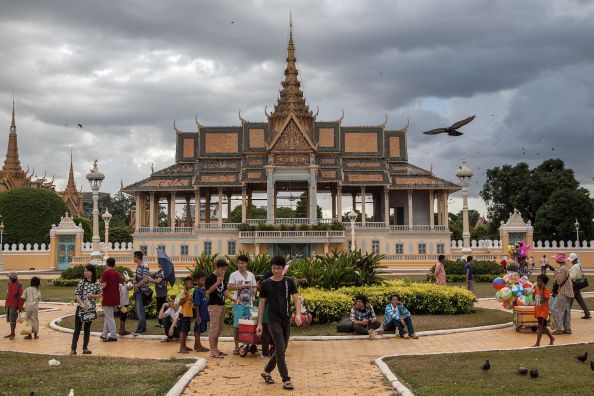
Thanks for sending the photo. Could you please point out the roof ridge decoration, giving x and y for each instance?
(293, 118)
(177, 131)
(199, 125)
(405, 129)
(383, 124)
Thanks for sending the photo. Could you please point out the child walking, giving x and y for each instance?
(123, 308)
(201, 306)
(32, 296)
(187, 313)
(541, 309)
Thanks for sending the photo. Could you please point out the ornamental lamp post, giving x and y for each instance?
(577, 235)
(464, 173)
(1, 246)
(106, 219)
(95, 179)
(352, 218)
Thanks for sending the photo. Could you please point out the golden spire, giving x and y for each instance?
(71, 186)
(12, 163)
(291, 99)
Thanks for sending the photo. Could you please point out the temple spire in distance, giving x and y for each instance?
(71, 186)
(12, 162)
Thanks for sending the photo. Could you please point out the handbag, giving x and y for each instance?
(87, 315)
(147, 295)
(556, 287)
(582, 282)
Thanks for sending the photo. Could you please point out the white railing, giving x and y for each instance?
(327, 221)
(230, 226)
(423, 228)
(291, 234)
(256, 221)
(21, 247)
(291, 221)
(368, 224)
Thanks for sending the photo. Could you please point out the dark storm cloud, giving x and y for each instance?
(125, 70)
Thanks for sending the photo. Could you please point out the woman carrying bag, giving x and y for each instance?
(579, 282)
(87, 290)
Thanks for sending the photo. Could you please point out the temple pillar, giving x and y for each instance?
(334, 204)
(431, 210)
(172, 213)
(207, 210)
(151, 210)
(269, 197)
(363, 202)
(249, 205)
(410, 210)
(220, 208)
(243, 205)
(312, 199)
(446, 213)
(196, 207)
(354, 200)
(229, 196)
(339, 204)
(138, 212)
(387, 206)
(188, 212)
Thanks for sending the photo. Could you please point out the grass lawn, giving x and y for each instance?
(87, 375)
(460, 374)
(480, 317)
(49, 292)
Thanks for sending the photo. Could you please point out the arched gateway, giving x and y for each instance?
(292, 151)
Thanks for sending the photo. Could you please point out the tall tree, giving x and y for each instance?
(555, 220)
(257, 213)
(301, 208)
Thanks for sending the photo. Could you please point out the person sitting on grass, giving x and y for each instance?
(187, 314)
(541, 308)
(363, 317)
(397, 316)
(201, 307)
(169, 315)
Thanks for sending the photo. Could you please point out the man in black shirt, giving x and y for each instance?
(276, 291)
(217, 291)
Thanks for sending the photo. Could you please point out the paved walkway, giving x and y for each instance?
(317, 367)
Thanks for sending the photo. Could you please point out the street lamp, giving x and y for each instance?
(464, 173)
(1, 246)
(577, 235)
(106, 219)
(95, 179)
(353, 218)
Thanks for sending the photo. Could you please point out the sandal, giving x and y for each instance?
(28, 337)
(267, 378)
(222, 353)
(288, 385)
(236, 351)
(202, 349)
(217, 356)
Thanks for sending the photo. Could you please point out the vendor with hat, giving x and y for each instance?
(563, 293)
(576, 274)
(13, 302)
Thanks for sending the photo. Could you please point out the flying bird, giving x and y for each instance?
(451, 130)
(486, 366)
(79, 125)
(522, 370)
(582, 358)
(534, 373)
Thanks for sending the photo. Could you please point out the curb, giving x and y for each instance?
(398, 386)
(180, 385)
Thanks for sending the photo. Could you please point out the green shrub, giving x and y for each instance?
(478, 268)
(65, 282)
(86, 226)
(77, 271)
(462, 278)
(28, 214)
(120, 234)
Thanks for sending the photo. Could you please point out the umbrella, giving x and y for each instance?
(167, 265)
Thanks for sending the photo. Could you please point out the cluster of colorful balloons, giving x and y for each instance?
(518, 249)
(513, 290)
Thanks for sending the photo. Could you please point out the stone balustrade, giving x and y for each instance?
(21, 247)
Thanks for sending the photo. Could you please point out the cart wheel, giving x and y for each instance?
(243, 351)
(518, 328)
(534, 328)
(253, 349)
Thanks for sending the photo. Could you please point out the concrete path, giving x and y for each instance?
(344, 367)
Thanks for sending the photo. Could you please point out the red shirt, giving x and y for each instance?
(14, 294)
(111, 293)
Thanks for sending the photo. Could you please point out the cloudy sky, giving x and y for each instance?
(126, 69)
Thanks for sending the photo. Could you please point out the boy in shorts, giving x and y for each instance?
(541, 308)
(187, 314)
(201, 307)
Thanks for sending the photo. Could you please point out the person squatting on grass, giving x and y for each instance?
(397, 316)
(542, 294)
(201, 309)
(275, 292)
(169, 315)
(32, 296)
(363, 317)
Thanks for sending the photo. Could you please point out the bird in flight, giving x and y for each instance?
(451, 130)
(80, 126)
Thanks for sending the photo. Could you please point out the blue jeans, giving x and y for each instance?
(396, 324)
(141, 328)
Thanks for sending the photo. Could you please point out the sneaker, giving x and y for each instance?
(587, 317)
(72, 353)
(288, 385)
(267, 378)
(86, 352)
(102, 337)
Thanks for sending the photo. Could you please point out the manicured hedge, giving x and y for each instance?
(462, 278)
(478, 268)
(65, 282)
(77, 271)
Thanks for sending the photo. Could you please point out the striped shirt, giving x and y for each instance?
(367, 313)
(142, 271)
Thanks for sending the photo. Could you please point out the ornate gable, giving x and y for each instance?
(292, 139)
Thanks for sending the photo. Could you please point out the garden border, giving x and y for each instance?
(181, 384)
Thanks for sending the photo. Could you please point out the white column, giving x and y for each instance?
(196, 207)
(269, 196)
(410, 210)
(243, 205)
(152, 211)
(138, 212)
(313, 197)
(339, 204)
(363, 201)
(220, 208)
(387, 206)
(431, 210)
(172, 213)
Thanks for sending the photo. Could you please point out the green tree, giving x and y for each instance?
(120, 234)
(518, 187)
(555, 220)
(257, 213)
(301, 207)
(120, 206)
(28, 214)
(87, 227)
(285, 213)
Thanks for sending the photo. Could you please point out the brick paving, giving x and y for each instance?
(342, 367)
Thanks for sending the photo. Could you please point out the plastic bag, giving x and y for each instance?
(22, 317)
(27, 328)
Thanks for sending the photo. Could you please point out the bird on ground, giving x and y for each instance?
(582, 358)
(522, 370)
(451, 130)
(79, 125)
(534, 373)
(486, 366)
